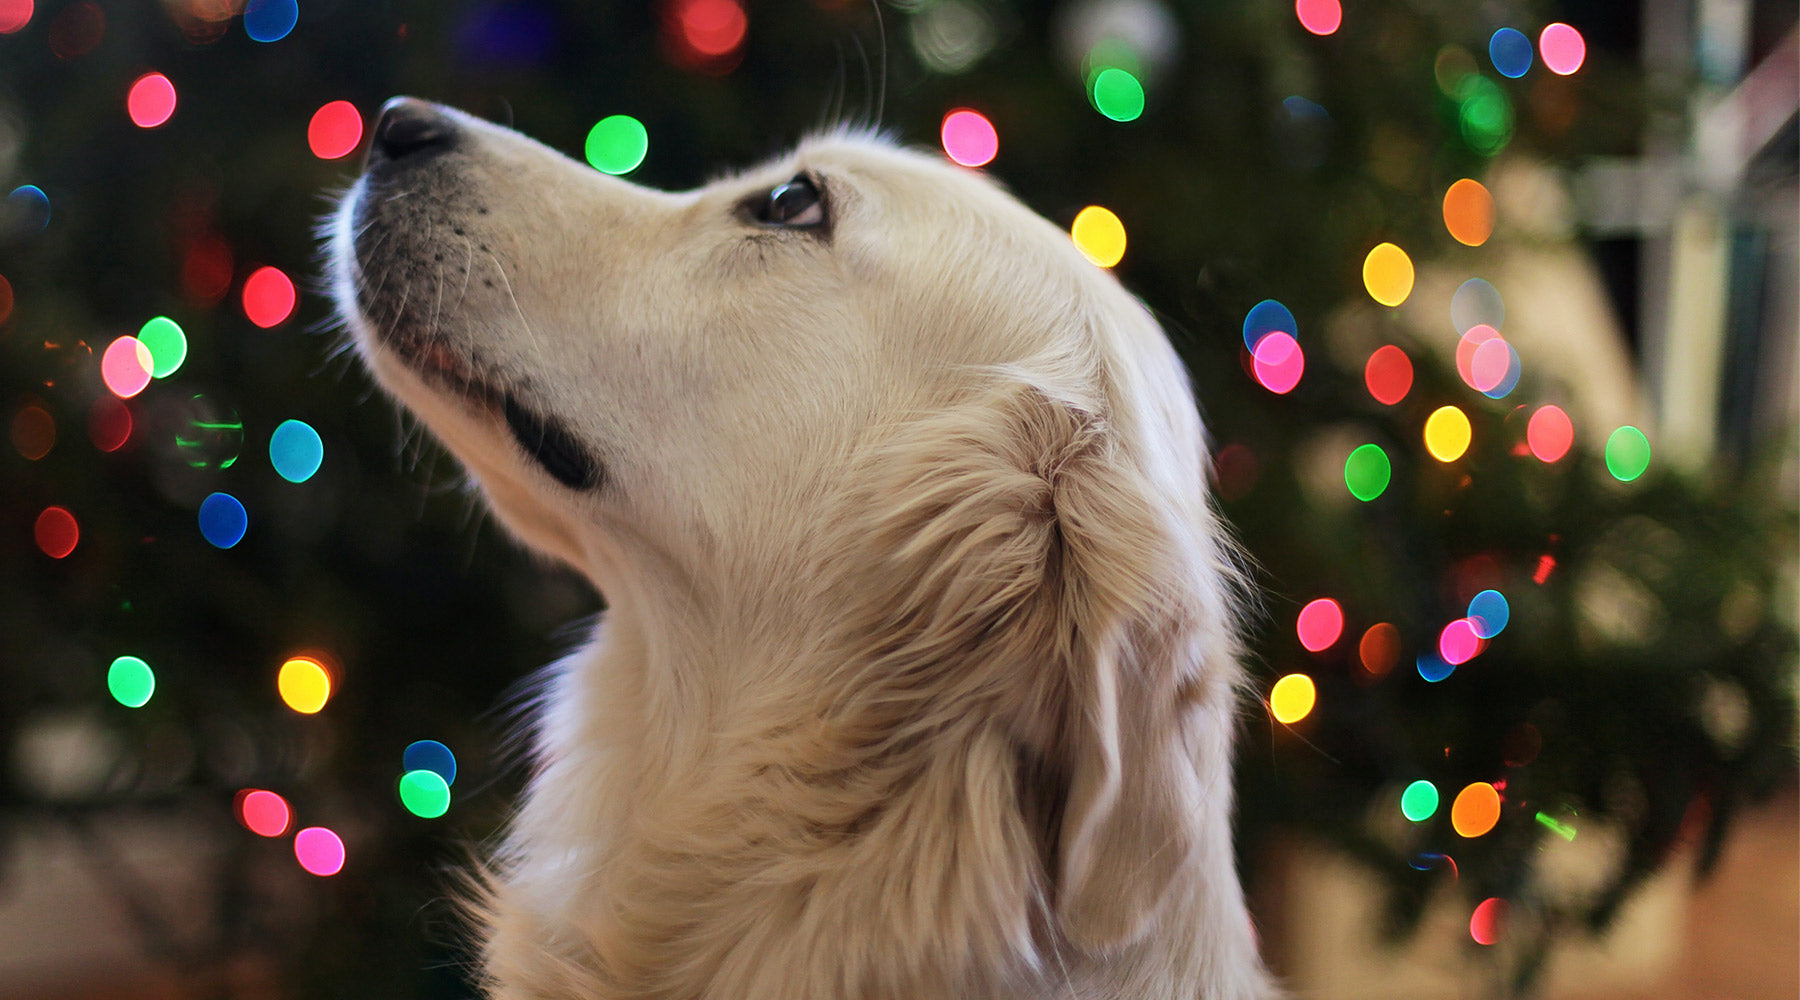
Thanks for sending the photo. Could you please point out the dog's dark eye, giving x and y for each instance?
(796, 203)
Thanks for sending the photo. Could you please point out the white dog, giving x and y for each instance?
(917, 678)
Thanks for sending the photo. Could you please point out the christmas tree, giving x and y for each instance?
(247, 605)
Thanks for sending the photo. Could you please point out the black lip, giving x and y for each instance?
(553, 447)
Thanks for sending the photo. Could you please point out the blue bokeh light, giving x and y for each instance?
(223, 520)
(430, 755)
(270, 20)
(296, 451)
(1510, 51)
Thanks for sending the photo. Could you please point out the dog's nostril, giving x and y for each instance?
(408, 127)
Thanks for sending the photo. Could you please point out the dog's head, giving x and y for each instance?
(861, 395)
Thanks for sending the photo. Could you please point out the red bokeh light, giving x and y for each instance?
(14, 15)
(56, 532)
(264, 813)
(151, 100)
(1320, 623)
(268, 297)
(335, 130)
(1389, 375)
(109, 423)
(1550, 433)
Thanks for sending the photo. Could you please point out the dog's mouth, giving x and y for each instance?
(545, 439)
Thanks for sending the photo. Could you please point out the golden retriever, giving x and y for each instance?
(918, 674)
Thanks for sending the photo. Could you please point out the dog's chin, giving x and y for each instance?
(440, 381)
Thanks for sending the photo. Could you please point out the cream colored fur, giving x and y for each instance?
(918, 672)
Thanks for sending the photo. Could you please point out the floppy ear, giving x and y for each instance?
(1029, 573)
(1141, 590)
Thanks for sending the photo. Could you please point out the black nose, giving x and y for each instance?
(411, 127)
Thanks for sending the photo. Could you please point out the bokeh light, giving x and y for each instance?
(1452, 65)
(151, 100)
(335, 130)
(1627, 453)
(109, 423)
(969, 138)
(223, 520)
(430, 755)
(1458, 643)
(125, 367)
(1466, 348)
(76, 30)
(1117, 94)
(424, 793)
(1321, 17)
(1564, 830)
(1099, 235)
(711, 28)
(29, 208)
(1420, 801)
(1509, 377)
(1476, 810)
(33, 432)
(130, 681)
(1469, 212)
(1367, 471)
(296, 451)
(6, 299)
(1477, 303)
(1562, 48)
(1489, 613)
(1489, 363)
(1485, 114)
(167, 344)
(1433, 668)
(1292, 698)
(304, 684)
(1319, 624)
(1388, 274)
(319, 851)
(1389, 374)
(1278, 363)
(1379, 649)
(268, 296)
(263, 812)
(212, 436)
(1549, 433)
(1510, 52)
(1488, 921)
(14, 15)
(1266, 317)
(270, 20)
(1447, 433)
(617, 144)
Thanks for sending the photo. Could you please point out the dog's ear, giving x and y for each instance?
(1036, 575)
(1142, 582)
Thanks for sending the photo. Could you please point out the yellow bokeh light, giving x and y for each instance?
(1099, 235)
(1447, 433)
(1388, 274)
(304, 684)
(1292, 698)
(1476, 809)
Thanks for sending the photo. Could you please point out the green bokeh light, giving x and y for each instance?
(1485, 113)
(424, 794)
(1420, 801)
(1367, 472)
(167, 344)
(131, 681)
(1117, 94)
(616, 145)
(1627, 453)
